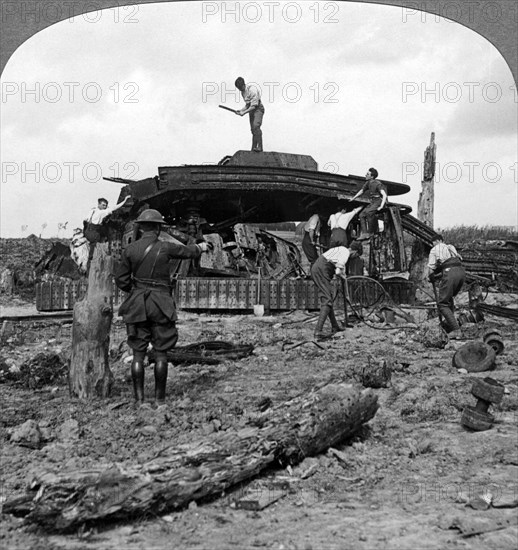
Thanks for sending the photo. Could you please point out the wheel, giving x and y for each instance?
(495, 342)
(366, 293)
(474, 357)
(489, 332)
(489, 390)
(476, 420)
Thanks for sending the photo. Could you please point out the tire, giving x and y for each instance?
(489, 390)
(475, 357)
(495, 342)
(476, 420)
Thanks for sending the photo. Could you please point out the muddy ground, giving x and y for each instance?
(403, 482)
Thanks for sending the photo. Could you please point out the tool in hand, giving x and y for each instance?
(228, 109)
(345, 292)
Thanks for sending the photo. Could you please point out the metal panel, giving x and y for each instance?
(198, 293)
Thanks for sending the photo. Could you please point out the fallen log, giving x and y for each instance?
(304, 426)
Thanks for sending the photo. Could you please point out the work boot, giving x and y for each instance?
(449, 319)
(137, 376)
(160, 380)
(335, 325)
(259, 142)
(319, 334)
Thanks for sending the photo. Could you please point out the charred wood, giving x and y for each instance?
(304, 426)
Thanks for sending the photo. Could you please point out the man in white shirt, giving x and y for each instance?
(330, 263)
(311, 234)
(338, 224)
(94, 230)
(444, 265)
(255, 109)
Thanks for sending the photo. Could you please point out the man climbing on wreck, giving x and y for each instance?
(255, 110)
(445, 267)
(377, 193)
(94, 229)
(330, 263)
(149, 311)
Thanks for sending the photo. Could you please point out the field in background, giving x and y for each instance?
(466, 234)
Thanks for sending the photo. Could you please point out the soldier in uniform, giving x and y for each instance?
(149, 311)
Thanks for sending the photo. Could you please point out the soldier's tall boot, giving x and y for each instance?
(319, 334)
(160, 378)
(137, 376)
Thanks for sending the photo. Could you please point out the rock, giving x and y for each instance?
(56, 452)
(27, 434)
(148, 430)
(69, 430)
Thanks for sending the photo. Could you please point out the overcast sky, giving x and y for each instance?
(123, 91)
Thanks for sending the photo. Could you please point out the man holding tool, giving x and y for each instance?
(377, 193)
(328, 265)
(255, 109)
(149, 311)
(444, 265)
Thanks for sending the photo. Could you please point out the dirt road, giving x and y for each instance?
(403, 482)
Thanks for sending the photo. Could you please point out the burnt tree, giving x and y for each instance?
(89, 373)
(425, 213)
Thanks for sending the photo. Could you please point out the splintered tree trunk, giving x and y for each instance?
(89, 374)
(286, 434)
(425, 213)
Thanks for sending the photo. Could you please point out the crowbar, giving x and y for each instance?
(228, 109)
(345, 292)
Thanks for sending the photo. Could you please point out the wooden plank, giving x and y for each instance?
(259, 499)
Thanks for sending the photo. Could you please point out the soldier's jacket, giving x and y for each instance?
(148, 283)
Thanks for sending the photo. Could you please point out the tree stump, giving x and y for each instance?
(89, 374)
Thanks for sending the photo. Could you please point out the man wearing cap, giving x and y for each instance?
(377, 193)
(255, 110)
(149, 311)
(338, 224)
(444, 265)
(330, 263)
(94, 229)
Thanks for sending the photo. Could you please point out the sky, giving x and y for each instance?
(120, 92)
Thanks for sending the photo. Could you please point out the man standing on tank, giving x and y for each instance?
(255, 109)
